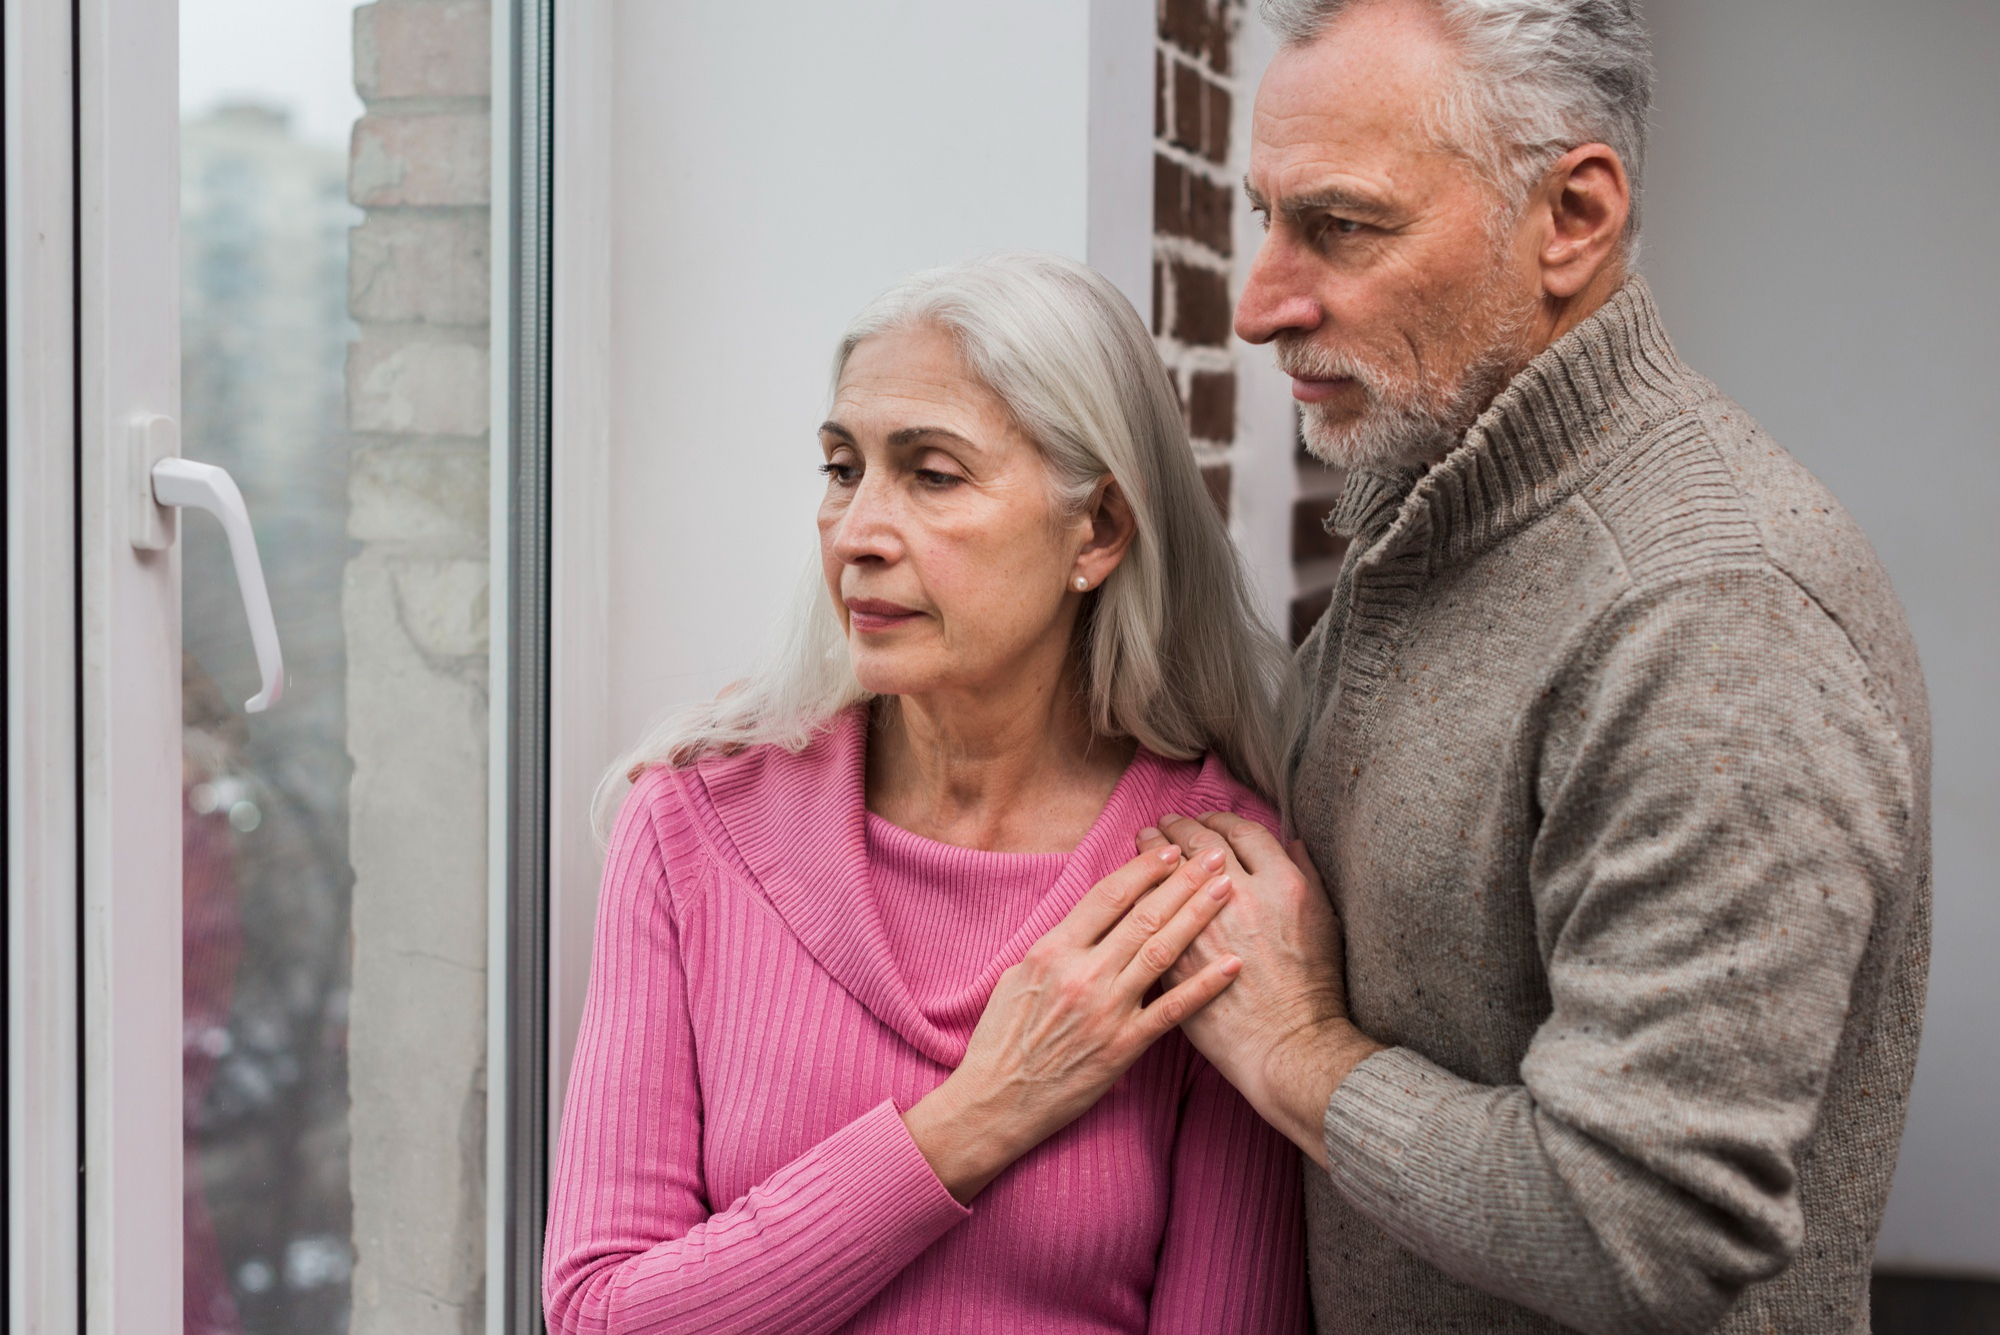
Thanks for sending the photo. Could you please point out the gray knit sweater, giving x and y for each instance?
(1617, 765)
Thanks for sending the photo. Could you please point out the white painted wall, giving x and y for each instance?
(775, 166)
(1819, 232)
(1266, 477)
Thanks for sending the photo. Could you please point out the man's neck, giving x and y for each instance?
(1563, 315)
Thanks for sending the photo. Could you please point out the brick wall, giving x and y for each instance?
(415, 608)
(1316, 553)
(1196, 185)
(1197, 193)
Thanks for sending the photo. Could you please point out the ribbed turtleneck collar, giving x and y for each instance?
(1553, 426)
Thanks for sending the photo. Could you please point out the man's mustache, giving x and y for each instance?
(1307, 361)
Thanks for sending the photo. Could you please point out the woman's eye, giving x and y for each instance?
(838, 473)
(937, 480)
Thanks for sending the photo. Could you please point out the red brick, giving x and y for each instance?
(1215, 118)
(1189, 25)
(1216, 478)
(1209, 209)
(1310, 540)
(1212, 406)
(1170, 197)
(1202, 313)
(1159, 297)
(1192, 206)
(1189, 103)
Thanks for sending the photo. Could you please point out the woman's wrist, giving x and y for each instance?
(965, 1150)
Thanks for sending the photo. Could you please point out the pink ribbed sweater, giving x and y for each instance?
(777, 975)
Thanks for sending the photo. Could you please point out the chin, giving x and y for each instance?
(882, 671)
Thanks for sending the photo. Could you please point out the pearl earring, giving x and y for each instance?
(1082, 584)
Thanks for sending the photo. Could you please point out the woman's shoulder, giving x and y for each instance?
(1194, 787)
(756, 792)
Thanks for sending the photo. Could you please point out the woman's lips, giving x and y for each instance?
(872, 616)
(1307, 390)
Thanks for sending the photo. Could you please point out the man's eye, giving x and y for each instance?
(1342, 226)
(838, 473)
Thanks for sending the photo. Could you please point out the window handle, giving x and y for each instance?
(184, 483)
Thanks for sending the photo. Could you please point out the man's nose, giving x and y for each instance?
(1278, 295)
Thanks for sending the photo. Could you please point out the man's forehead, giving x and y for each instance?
(1353, 101)
(1361, 88)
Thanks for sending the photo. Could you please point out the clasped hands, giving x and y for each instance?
(1243, 948)
(1280, 1033)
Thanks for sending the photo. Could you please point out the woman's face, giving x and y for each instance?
(947, 559)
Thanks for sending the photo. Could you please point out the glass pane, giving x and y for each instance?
(334, 237)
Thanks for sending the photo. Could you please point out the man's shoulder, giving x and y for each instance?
(1708, 489)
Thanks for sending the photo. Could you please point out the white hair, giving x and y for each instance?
(1538, 78)
(1172, 651)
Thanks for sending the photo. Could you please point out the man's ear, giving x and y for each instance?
(1112, 528)
(1586, 199)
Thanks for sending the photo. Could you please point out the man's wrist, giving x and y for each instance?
(1300, 1075)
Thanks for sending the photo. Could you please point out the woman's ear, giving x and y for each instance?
(1112, 528)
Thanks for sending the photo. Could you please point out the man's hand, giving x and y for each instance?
(1281, 1034)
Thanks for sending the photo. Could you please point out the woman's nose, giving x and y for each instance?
(866, 528)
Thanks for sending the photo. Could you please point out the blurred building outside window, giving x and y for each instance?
(334, 344)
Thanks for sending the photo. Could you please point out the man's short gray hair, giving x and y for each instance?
(1541, 77)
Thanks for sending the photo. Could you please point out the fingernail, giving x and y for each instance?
(1167, 854)
(1149, 833)
(1169, 818)
(1213, 859)
(1232, 966)
(1219, 887)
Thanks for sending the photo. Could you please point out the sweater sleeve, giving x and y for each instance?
(1725, 810)
(1233, 1259)
(633, 1243)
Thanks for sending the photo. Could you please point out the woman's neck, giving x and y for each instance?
(1004, 775)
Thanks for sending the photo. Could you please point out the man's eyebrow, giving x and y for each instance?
(1331, 199)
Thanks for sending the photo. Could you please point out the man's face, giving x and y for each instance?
(1398, 296)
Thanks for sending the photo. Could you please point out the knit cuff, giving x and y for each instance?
(884, 1175)
(1380, 1127)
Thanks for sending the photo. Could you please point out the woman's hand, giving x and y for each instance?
(1283, 1038)
(1071, 1017)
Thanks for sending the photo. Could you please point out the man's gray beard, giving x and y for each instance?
(1407, 423)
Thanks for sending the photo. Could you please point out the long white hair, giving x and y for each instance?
(1171, 647)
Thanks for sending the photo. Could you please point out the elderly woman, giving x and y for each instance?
(874, 1039)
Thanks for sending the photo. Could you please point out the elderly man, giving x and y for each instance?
(1615, 755)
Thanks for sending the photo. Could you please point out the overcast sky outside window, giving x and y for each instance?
(294, 54)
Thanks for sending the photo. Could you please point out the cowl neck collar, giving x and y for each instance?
(1557, 423)
(798, 822)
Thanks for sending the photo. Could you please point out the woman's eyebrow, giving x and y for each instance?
(833, 428)
(912, 435)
